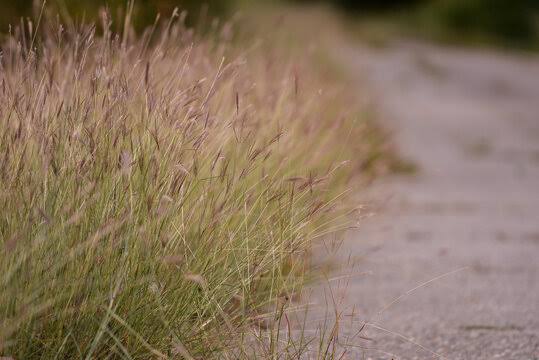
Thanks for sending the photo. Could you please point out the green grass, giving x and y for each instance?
(160, 194)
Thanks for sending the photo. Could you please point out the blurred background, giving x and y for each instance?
(509, 23)
(467, 120)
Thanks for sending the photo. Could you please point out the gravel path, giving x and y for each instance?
(470, 121)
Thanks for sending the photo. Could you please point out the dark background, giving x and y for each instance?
(505, 20)
(145, 11)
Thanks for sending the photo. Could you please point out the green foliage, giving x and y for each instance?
(365, 5)
(499, 19)
(508, 22)
(359, 5)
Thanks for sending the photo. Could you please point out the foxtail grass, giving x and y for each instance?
(161, 192)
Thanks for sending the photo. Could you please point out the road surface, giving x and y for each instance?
(453, 250)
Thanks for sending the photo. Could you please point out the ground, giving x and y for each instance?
(468, 219)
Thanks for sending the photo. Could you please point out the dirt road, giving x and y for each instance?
(470, 122)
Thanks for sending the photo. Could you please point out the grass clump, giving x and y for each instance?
(160, 193)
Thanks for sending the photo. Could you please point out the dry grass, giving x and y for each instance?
(160, 193)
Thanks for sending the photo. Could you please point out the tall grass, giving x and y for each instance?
(143, 12)
(160, 193)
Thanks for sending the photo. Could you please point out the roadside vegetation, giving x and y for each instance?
(501, 23)
(481, 22)
(143, 12)
(161, 192)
